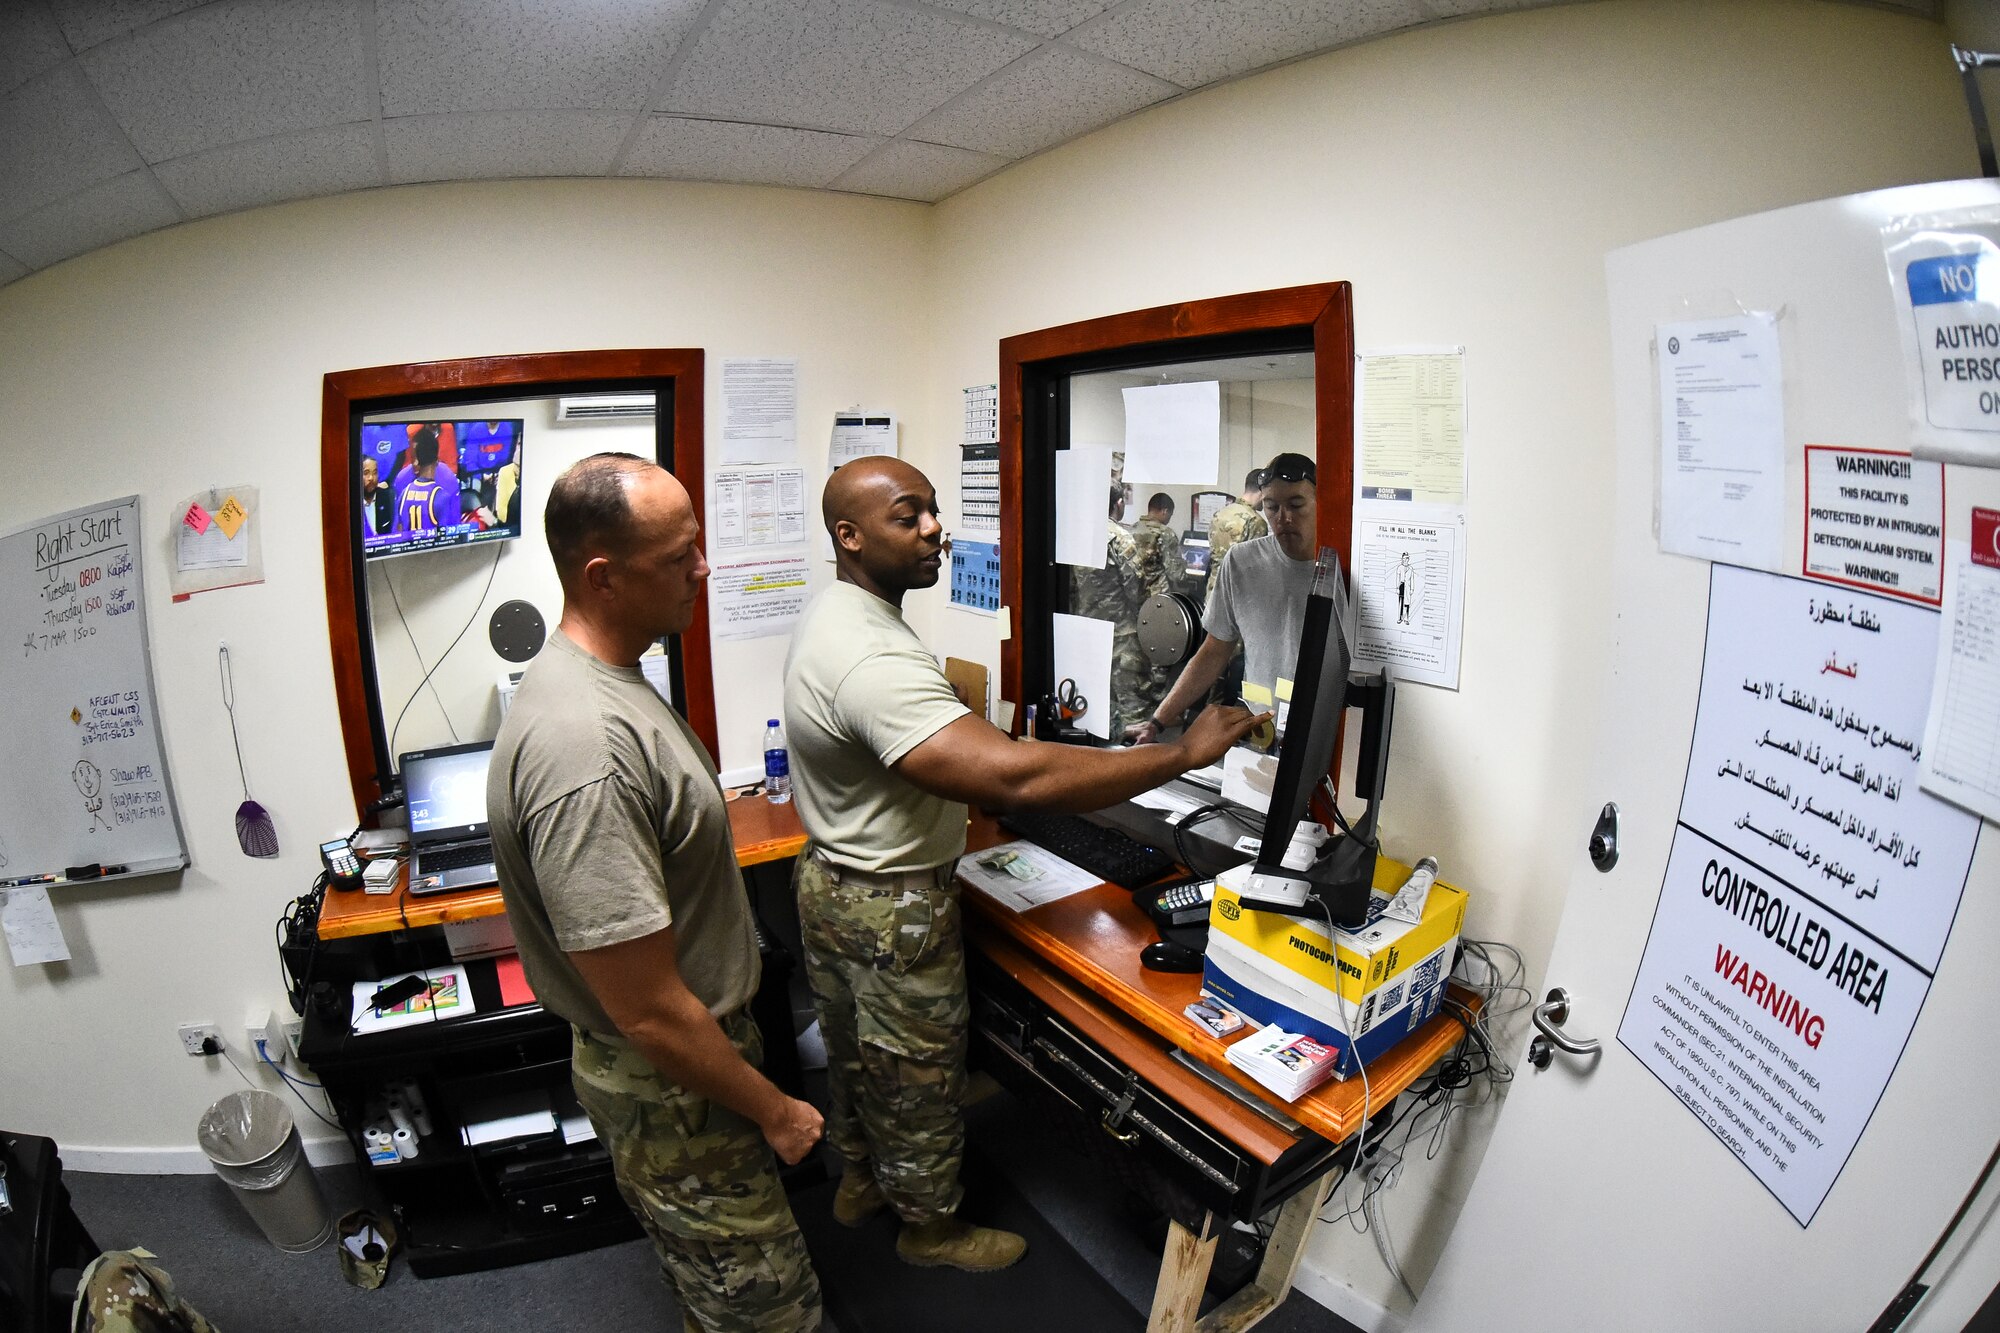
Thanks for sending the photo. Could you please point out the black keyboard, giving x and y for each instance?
(1105, 853)
(455, 858)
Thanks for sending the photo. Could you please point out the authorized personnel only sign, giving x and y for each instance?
(1945, 272)
(1812, 883)
(1875, 520)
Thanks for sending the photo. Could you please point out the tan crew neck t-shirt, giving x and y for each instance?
(609, 825)
(862, 691)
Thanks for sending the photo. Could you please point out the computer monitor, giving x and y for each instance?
(446, 791)
(1338, 883)
(439, 484)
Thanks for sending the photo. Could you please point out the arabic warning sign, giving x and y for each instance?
(1812, 884)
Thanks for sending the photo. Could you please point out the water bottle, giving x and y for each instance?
(777, 765)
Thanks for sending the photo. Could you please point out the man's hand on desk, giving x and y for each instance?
(794, 1131)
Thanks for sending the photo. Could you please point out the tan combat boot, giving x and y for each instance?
(948, 1241)
(858, 1198)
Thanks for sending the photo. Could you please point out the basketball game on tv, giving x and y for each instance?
(425, 485)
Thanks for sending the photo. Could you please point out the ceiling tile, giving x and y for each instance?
(1449, 9)
(835, 64)
(1050, 18)
(925, 171)
(504, 55)
(503, 143)
(721, 150)
(29, 44)
(126, 206)
(236, 71)
(1193, 42)
(54, 141)
(1050, 96)
(88, 22)
(270, 171)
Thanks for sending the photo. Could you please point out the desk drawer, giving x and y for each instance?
(1109, 1114)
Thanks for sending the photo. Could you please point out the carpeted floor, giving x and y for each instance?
(224, 1266)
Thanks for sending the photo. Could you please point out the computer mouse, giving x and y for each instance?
(1167, 956)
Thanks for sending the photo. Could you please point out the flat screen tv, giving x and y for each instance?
(427, 485)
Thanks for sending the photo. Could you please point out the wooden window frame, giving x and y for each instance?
(349, 394)
(1322, 311)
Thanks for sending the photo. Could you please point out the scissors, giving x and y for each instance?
(1072, 704)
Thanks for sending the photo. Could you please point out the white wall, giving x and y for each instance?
(1468, 179)
(195, 355)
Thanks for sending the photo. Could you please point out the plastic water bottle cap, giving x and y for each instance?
(772, 723)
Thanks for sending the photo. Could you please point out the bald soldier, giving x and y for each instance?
(619, 873)
(884, 762)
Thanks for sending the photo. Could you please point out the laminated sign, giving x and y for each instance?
(1811, 884)
(1944, 269)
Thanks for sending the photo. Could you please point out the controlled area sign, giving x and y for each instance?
(1812, 883)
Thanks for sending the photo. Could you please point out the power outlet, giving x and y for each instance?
(196, 1036)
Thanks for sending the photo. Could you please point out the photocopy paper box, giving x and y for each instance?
(1362, 990)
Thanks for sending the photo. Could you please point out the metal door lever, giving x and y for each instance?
(1549, 1016)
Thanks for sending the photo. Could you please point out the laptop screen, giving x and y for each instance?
(446, 791)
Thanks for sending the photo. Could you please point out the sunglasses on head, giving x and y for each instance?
(1290, 469)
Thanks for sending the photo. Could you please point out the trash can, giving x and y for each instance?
(251, 1140)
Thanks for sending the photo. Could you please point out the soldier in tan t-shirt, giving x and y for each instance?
(884, 761)
(614, 855)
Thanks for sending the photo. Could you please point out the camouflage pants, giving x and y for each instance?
(124, 1291)
(704, 1184)
(886, 963)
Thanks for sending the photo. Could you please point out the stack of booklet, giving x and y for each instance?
(1285, 1062)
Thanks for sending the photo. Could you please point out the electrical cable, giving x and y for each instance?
(223, 1051)
(1195, 816)
(491, 570)
(295, 1085)
(1383, 1245)
(418, 653)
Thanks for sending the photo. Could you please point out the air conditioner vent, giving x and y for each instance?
(603, 407)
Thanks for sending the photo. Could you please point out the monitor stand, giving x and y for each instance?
(1337, 889)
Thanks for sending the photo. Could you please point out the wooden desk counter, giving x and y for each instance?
(762, 832)
(1091, 940)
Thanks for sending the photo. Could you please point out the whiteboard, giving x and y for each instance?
(84, 777)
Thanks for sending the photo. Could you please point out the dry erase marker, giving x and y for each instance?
(29, 879)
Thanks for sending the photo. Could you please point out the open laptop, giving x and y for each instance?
(445, 791)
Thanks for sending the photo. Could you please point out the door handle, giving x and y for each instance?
(1604, 838)
(1549, 1016)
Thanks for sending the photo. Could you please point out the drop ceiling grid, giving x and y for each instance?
(117, 116)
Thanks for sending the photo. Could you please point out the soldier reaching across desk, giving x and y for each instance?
(885, 759)
(619, 873)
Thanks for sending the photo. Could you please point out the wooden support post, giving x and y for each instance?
(1273, 1283)
(1183, 1274)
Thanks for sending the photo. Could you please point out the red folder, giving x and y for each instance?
(514, 987)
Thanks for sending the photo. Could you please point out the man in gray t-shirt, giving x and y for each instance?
(614, 854)
(1258, 598)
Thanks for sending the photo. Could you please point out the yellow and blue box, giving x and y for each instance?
(1359, 991)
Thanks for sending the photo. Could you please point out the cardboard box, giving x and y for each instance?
(1361, 991)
